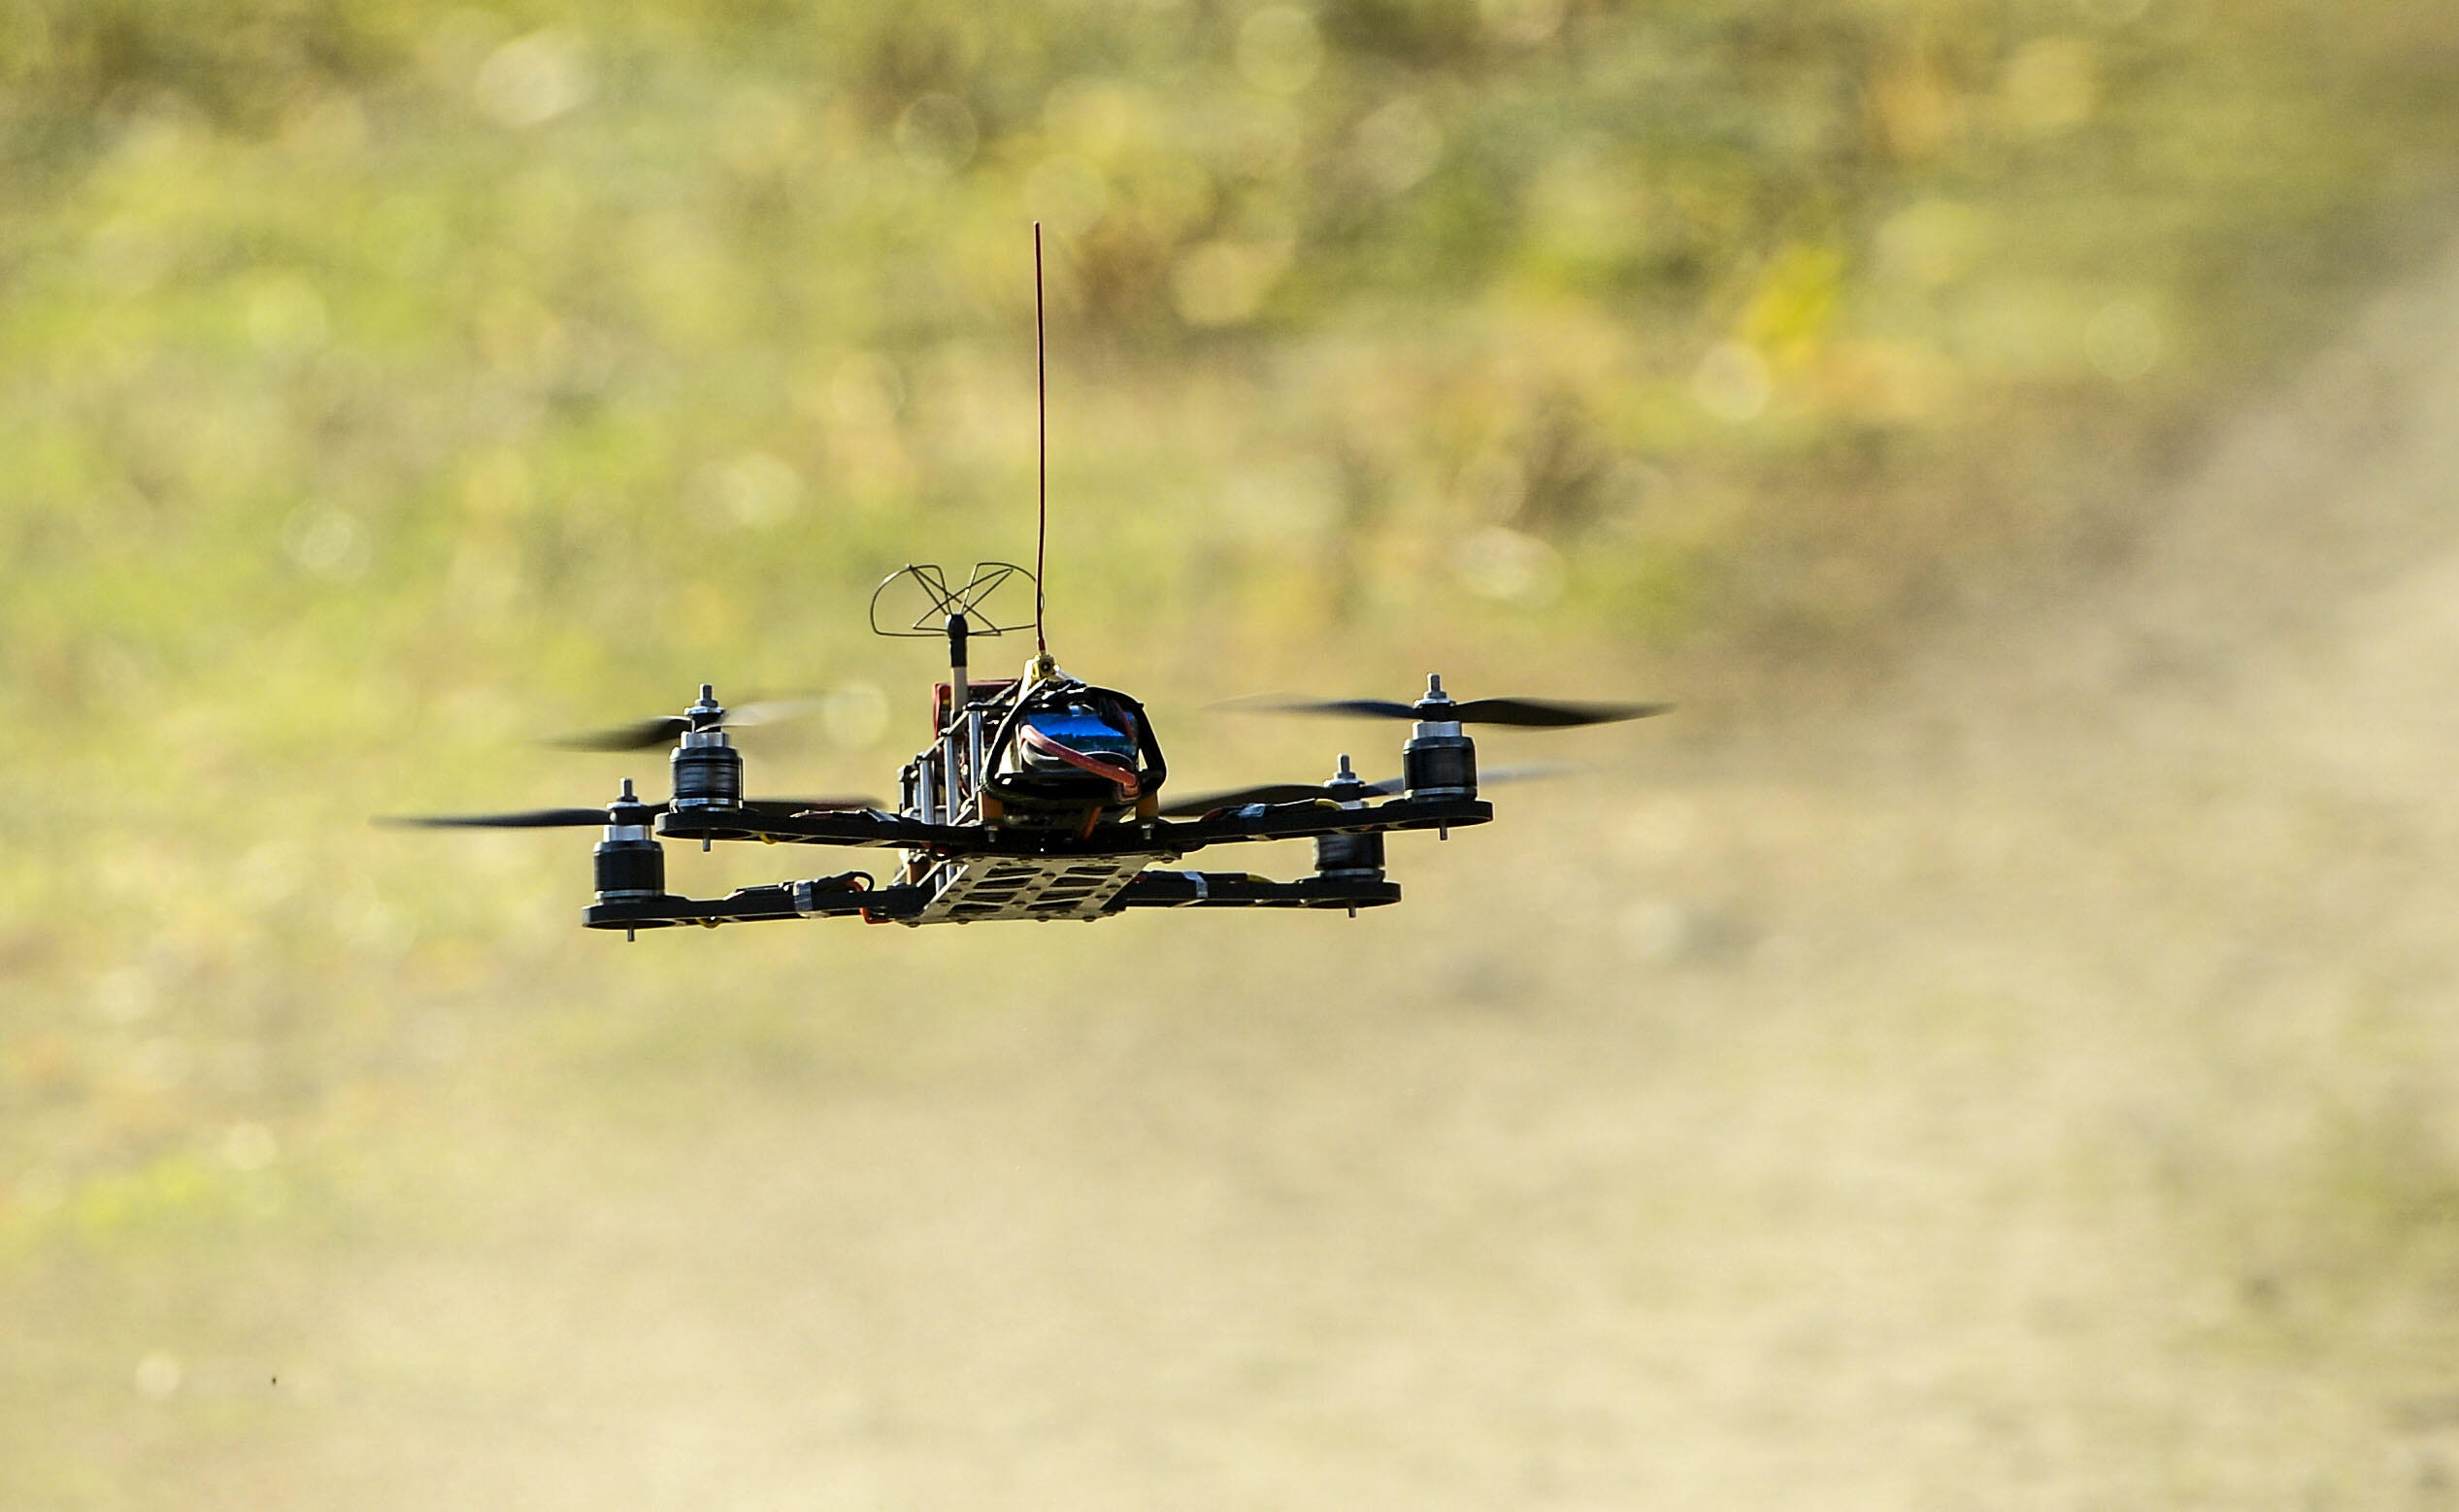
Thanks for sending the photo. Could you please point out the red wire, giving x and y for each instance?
(1040, 444)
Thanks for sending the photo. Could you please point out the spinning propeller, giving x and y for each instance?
(1344, 788)
(625, 809)
(1438, 706)
(707, 714)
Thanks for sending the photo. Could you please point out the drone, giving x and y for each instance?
(1037, 796)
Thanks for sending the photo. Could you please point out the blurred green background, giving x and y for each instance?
(385, 386)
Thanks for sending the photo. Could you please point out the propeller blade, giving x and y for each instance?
(584, 818)
(647, 734)
(1365, 707)
(1536, 772)
(799, 806)
(774, 712)
(1241, 796)
(1389, 787)
(528, 819)
(1551, 714)
(641, 736)
(1525, 712)
(1491, 776)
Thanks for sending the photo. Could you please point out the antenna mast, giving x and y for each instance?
(1041, 445)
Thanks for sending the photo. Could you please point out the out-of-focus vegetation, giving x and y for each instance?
(454, 334)
(383, 383)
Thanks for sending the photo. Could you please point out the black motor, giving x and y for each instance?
(1439, 761)
(708, 771)
(1355, 856)
(631, 866)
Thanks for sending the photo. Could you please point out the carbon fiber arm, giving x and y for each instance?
(870, 827)
(822, 898)
(834, 898)
(1158, 889)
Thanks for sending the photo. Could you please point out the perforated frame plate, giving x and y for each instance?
(1028, 887)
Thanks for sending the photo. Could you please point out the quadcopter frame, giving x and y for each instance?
(1081, 878)
(965, 860)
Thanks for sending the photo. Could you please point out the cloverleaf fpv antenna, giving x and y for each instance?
(951, 609)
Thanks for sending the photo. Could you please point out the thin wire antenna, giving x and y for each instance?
(1040, 444)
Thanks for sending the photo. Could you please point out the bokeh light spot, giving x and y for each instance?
(286, 317)
(1504, 564)
(530, 81)
(1225, 282)
(1280, 50)
(2050, 87)
(2122, 341)
(327, 542)
(1928, 244)
(1731, 383)
(158, 1376)
(1398, 146)
(249, 1146)
(936, 134)
(756, 490)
